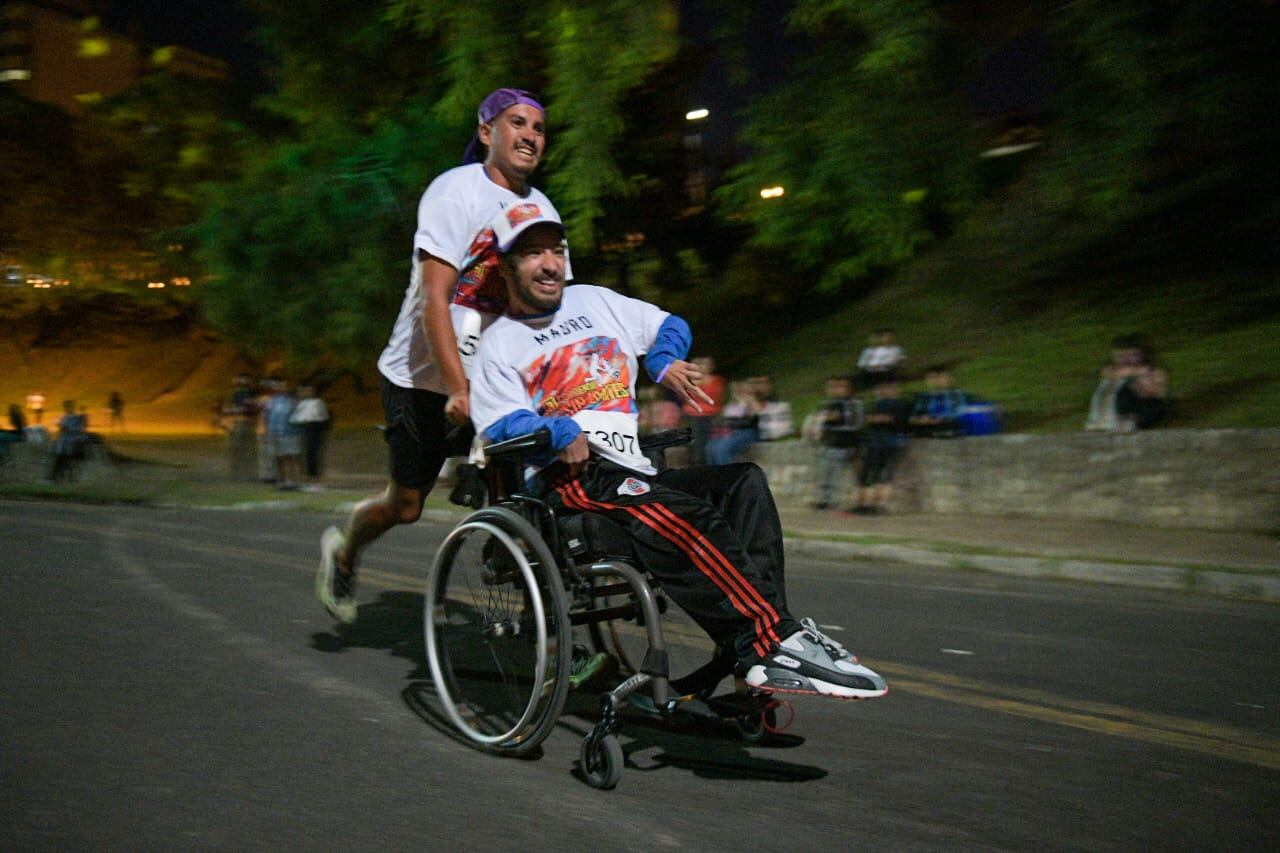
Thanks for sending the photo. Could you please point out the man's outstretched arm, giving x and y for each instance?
(665, 362)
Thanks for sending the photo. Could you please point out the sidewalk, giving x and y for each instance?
(1236, 564)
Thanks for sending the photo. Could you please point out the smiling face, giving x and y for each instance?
(515, 140)
(534, 270)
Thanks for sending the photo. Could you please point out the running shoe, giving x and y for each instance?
(837, 651)
(585, 665)
(336, 591)
(802, 663)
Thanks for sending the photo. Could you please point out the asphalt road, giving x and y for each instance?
(169, 682)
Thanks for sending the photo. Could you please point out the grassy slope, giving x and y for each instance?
(1025, 309)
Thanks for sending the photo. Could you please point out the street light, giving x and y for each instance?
(697, 115)
(772, 192)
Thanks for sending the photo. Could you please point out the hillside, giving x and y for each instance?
(171, 370)
(1023, 307)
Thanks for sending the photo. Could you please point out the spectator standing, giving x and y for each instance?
(834, 426)
(69, 448)
(312, 416)
(283, 436)
(17, 421)
(239, 417)
(886, 440)
(16, 433)
(714, 386)
(936, 412)
(115, 404)
(35, 404)
(881, 360)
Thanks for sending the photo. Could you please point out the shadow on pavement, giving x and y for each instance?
(711, 750)
(393, 622)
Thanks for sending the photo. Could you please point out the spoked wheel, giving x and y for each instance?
(497, 632)
(688, 646)
(601, 761)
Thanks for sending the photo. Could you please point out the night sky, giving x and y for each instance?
(1011, 78)
(218, 28)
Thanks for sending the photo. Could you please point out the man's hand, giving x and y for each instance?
(684, 377)
(458, 409)
(576, 454)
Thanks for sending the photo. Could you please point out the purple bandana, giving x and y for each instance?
(490, 108)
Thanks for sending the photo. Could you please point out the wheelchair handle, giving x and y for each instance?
(666, 438)
(521, 444)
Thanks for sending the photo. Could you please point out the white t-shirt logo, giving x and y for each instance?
(632, 486)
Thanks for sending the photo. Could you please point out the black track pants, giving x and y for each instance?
(717, 550)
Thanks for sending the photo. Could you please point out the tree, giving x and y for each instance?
(867, 140)
(309, 246)
(584, 57)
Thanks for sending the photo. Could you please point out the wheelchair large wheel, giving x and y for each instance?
(497, 632)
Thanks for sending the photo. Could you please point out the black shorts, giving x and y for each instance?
(416, 431)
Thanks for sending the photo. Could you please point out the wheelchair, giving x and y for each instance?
(506, 589)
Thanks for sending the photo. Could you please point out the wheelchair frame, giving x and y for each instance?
(512, 518)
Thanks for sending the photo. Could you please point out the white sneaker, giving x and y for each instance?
(335, 590)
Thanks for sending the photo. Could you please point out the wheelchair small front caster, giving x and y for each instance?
(757, 724)
(755, 727)
(601, 761)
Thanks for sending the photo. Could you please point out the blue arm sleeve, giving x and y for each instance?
(522, 421)
(672, 344)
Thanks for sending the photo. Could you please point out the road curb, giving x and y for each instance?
(1228, 584)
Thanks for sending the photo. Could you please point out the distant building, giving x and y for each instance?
(56, 52)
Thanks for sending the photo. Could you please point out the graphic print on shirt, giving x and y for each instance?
(480, 285)
(588, 374)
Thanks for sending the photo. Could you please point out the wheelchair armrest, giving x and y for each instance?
(666, 438)
(521, 444)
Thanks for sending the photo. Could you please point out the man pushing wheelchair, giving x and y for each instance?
(565, 360)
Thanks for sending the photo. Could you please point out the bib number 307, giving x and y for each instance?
(618, 441)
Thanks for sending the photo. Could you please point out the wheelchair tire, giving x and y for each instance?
(756, 727)
(602, 765)
(496, 625)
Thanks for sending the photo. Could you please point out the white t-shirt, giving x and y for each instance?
(579, 362)
(881, 357)
(454, 216)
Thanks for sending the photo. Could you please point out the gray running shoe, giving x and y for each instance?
(802, 663)
(837, 651)
(335, 590)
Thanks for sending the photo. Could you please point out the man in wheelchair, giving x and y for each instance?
(565, 359)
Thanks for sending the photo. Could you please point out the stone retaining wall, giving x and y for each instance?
(1216, 479)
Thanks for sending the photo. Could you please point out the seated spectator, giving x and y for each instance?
(775, 415)
(881, 360)
(936, 412)
(886, 440)
(1132, 391)
(739, 426)
(835, 426)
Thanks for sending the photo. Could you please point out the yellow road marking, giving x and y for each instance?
(1208, 738)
